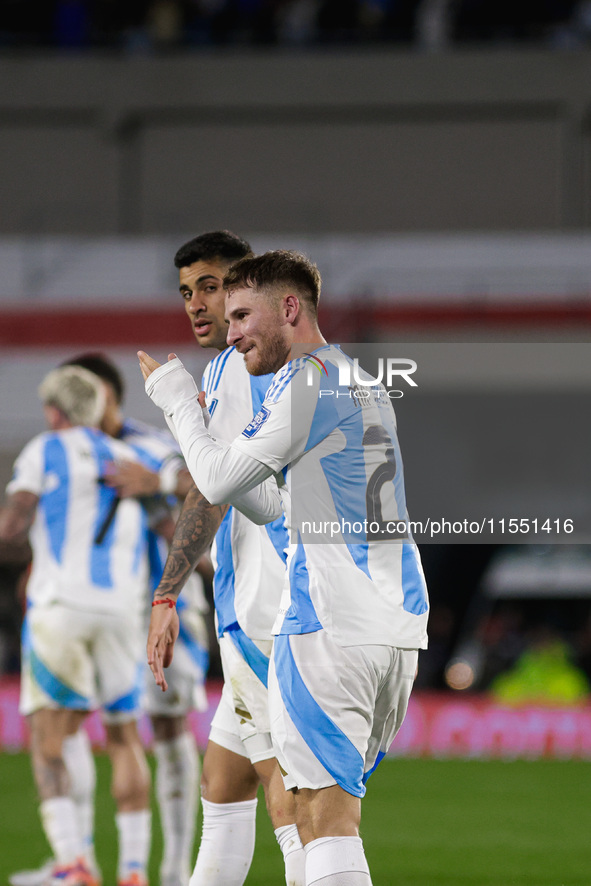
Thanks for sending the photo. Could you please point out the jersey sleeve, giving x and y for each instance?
(28, 474)
(222, 475)
(282, 430)
(300, 409)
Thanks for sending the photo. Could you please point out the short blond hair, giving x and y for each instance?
(76, 392)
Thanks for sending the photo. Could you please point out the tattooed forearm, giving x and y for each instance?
(197, 524)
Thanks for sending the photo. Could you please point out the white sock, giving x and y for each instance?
(227, 844)
(177, 788)
(293, 854)
(79, 760)
(336, 861)
(60, 823)
(134, 830)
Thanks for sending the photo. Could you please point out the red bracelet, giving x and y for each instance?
(171, 603)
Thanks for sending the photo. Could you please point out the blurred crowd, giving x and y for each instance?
(148, 25)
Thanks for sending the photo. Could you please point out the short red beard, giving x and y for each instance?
(272, 354)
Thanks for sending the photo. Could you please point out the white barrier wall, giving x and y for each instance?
(78, 271)
(54, 285)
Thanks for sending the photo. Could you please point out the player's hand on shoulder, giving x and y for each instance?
(132, 479)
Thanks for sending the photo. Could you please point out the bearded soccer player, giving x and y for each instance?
(354, 610)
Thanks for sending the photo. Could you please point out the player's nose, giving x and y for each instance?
(233, 335)
(196, 303)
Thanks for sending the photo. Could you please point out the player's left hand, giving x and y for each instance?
(148, 364)
(162, 635)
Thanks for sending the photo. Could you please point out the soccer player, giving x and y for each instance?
(82, 631)
(162, 471)
(354, 610)
(249, 572)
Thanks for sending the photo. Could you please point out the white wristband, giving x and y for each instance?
(171, 384)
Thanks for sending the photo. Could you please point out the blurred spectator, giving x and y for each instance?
(166, 24)
(544, 674)
(529, 615)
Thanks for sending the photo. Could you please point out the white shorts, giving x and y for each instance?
(241, 721)
(335, 709)
(185, 676)
(81, 660)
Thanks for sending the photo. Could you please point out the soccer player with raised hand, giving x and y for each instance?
(354, 609)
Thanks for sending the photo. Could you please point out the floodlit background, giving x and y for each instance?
(434, 158)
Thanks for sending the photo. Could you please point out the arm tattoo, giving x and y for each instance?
(197, 524)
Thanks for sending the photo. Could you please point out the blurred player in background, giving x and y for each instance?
(162, 471)
(82, 635)
(354, 610)
(249, 571)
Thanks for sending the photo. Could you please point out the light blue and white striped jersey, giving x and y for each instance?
(344, 499)
(65, 468)
(160, 452)
(249, 560)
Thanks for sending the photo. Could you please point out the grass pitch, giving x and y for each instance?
(425, 823)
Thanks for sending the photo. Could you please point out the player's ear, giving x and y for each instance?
(291, 307)
(171, 357)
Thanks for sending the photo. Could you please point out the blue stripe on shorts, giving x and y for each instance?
(326, 740)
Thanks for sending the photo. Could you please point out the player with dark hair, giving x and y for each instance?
(249, 571)
(222, 247)
(354, 608)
